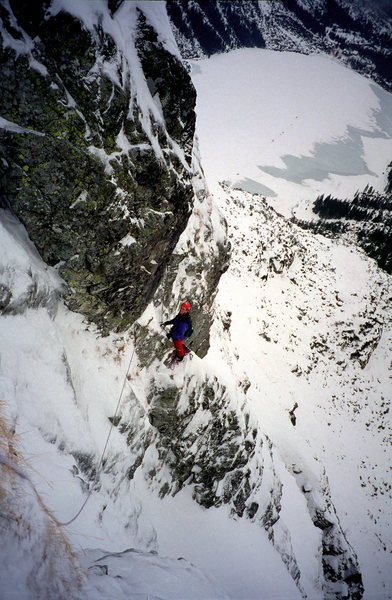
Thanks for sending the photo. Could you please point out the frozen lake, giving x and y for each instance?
(290, 127)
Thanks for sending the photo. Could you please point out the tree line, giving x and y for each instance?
(366, 218)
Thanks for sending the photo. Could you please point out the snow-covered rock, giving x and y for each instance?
(97, 139)
(259, 467)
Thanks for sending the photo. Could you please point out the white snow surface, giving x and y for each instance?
(60, 381)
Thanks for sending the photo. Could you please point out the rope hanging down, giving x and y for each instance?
(106, 444)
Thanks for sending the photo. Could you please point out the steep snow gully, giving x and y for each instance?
(261, 468)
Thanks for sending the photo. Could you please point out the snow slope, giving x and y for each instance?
(61, 383)
(290, 339)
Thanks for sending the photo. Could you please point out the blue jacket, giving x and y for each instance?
(182, 327)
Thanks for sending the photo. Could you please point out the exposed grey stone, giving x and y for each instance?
(63, 193)
(5, 296)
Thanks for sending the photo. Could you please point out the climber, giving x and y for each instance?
(182, 328)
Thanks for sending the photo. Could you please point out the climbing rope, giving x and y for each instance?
(165, 277)
(113, 420)
(18, 471)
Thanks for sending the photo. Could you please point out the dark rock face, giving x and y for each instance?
(103, 195)
(217, 26)
(358, 33)
(5, 297)
(217, 457)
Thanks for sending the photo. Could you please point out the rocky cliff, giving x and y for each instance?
(97, 142)
(365, 220)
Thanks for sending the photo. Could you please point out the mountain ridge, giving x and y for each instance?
(358, 34)
(261, 466)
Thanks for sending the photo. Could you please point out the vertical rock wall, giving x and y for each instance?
(96, 144)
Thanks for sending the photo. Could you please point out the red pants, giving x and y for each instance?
(179, 346)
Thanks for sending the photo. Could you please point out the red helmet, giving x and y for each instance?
(186, 305)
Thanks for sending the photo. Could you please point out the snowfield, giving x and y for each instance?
(301, 341)
(290, 127)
